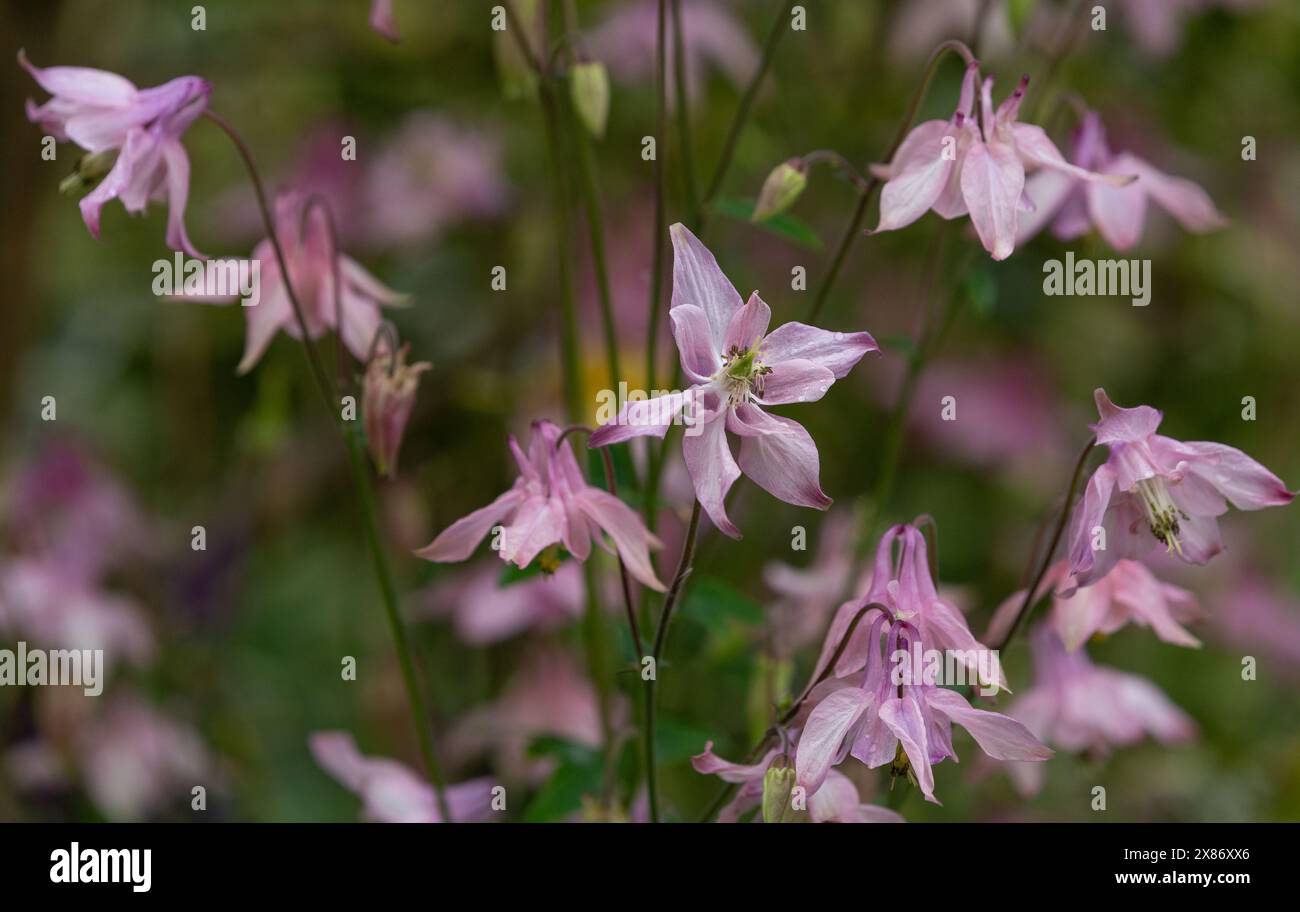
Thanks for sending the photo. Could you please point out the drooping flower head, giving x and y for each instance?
(550, 504)
(963, 167)
(736, 368)
(309, 256)
(387, 397)
(106, 114)
(881, 716)
(1156, 491)
(1083, 708)
(1073, 205)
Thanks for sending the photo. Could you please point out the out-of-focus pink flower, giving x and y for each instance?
(884, 712)
(1261, 617)
(735, 366)
(549, 504)
(1156, 490)
(548, 695)
(103, 112)
(137, 762)
(806, 595)
(625, 42)
(1129, 594)
(309, 257)
(1079, 707)
(57, 611)
(1073, 206)
(391, 792)
(381, 19)
(834, 801)
(952, 167)
(387, 397)
(919, 25)
(484, 611)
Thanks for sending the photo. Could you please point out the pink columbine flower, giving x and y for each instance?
(909, 724)
(1079, 707)
(309, 257)
(381, 20)
(952, 167)
(391, 792)
(484, 612)
(735, 367)
(1073, 206)
(387, 397)
(901, 581)
(1156, 490)
(834, 801)
(550, 504)
(105, 113)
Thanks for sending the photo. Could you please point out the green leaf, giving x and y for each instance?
(677, 741)
(785, 225)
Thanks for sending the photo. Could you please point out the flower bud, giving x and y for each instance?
(778, 782)
(387, 396)
(90, 170)
(589, 90)
(781, 189)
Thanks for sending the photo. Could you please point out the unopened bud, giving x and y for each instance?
(778, 783)
(781, 189)
(90, 171)
(589, 89)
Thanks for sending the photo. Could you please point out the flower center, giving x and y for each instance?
(742, 374)
(1162, 515)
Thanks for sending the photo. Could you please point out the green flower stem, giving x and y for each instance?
(360, 482)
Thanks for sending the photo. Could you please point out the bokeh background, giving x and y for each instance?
(236, 649)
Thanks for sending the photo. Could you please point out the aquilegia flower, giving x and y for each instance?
(1129, 594)
(1082, 708)
(1154, 490)
(736, 367)
(904, 719)
(1073, 205)
(952, 167)
(550, 504)
(308, 253)
(387, 397)
(391, 792)
(106, 114)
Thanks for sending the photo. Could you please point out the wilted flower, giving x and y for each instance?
(834, 801)
(736, 367)
(105, 113)
(391, 792)
(387, 396)
(955, 169)
(1079, 707)
(1154, 490)
(1074, 205)
(549, 504)
(909, 725)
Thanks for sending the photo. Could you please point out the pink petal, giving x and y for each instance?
(713, 470)
(999, 736)
(822, 742)
(1181, 198)
(646, 417)
(358, 279)
(178, 188)
(1123, 425)
(795, 381)
(835, 351)
(700, 358)
(918, 179)
(903, 718)
(537, 524)
(992, 179)
(1090, 513)
(1235, 475)
(779, 455)
(381, 20)
(630, 535)
(710, 764)
(1049, 191)
(1118, 213)
(459, 540)
(264, 319)
(748, 325)
(81, 84)
(698, 280)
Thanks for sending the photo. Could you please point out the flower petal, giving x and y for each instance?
(699, 356)
(795, 381)
(779, 455)
(698, 280)
(713, 470)
(1235, 475)
(1123, 425)
(835, 351)
(904, 719)
(822, 742)
(459, 540)
(630, 535)
(992, 180)
(747, 326)
(646, 417)
(999, 736)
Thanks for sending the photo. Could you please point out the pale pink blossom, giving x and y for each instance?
(1082, 708)
(1153, 490)
(550, 503)
(1073, 206)
(735, 367)
(956, 168)
(390, 791)
(485, 610)
(105, 113)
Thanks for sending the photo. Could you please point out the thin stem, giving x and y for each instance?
(657, 250)
(359, 477)
(780, 25)
(661, 635)
(873, 184)
(684, 118)
(1046, 561)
